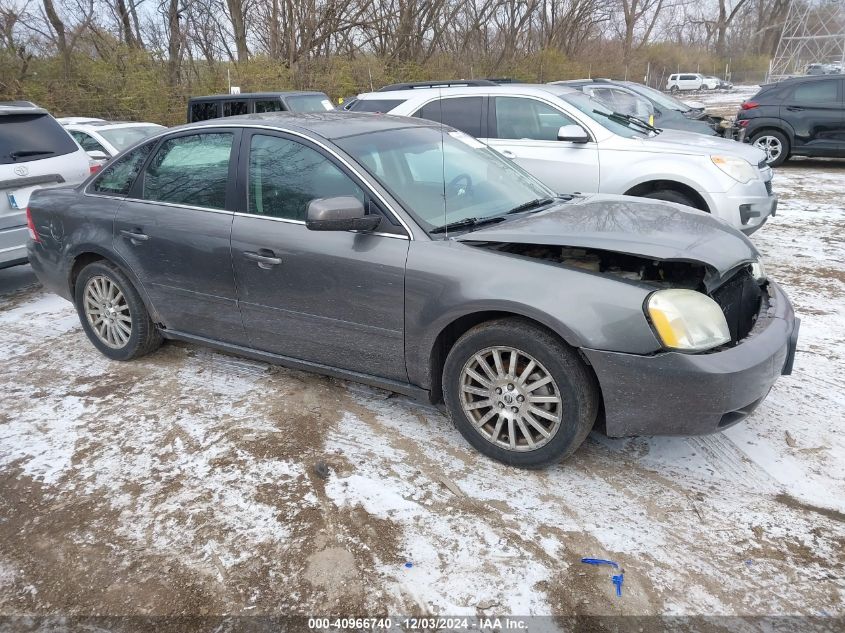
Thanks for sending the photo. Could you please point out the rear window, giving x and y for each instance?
(27, 137)
(309, 103)
(375, 105)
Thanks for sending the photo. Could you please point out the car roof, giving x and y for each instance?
(20, 107)
(502, 89)
(258, 95)
(329, 125)
(108, 125)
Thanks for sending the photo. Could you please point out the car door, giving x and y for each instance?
(335, 298)
(174, 230)
(525, 129)
(814, 111)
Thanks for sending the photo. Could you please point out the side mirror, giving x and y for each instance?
(573, 134)
(96, 154)
(343, 213)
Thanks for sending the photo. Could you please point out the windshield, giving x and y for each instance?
(442, 177)
(605, 117)
(125, 137)
(309, 103)
(661, 99)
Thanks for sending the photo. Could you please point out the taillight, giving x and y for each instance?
(743, 122)
(93, 169)
(749, 105)
(33, 234)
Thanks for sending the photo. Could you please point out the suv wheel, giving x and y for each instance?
(518, 394)
(674, 89)
(670, 195)
(112, 313)
(775, 144)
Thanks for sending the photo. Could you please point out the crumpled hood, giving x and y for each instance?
(678, 141)
(624, 224)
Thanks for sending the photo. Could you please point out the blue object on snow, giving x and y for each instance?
(616, 579)
(600, 561)
(408, 565)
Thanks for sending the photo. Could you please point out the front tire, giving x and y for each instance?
(112, 313)
(670, 195)
(775, 144)
(518, 394)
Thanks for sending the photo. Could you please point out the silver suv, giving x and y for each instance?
(576, 144)
(35, 152)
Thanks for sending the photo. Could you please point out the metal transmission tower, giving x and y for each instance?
(814, 32)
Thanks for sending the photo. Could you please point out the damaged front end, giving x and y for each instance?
(739, 294)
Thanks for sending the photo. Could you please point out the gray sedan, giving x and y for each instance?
(409, 256)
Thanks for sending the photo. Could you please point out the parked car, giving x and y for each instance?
(575, 144)
(690, 81)
(104, 139)
(35, 152)
(717, 83)
(408, 255)
(621, 97)
(693, 110)
(215, 106)
(803, 116)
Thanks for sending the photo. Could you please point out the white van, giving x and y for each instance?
(35, 152)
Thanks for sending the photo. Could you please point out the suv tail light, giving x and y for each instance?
(93, 168)
(33, 234)
(749, 105)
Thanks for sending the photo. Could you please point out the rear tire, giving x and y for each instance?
(112, 313)
(670, 195)
(775, 144)
(674, 89)
(531, 407)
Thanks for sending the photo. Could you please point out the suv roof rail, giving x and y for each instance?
(450, 83)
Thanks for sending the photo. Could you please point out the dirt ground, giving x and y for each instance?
(192, 482)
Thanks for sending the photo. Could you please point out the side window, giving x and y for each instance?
(204, 110)
(191, 170)
(285, 175)
(268, 105)
(234, 108)
(816, 91)
(462, 113)
(524, 118)
(117, 178)
(88, 143)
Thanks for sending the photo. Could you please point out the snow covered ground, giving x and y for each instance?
(195, 482)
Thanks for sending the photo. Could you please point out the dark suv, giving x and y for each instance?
(804, 116)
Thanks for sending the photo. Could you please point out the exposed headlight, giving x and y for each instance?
(758, 272)
(687, 320)
(737, 168)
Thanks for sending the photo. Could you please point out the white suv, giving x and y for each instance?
(691, 81)
(576, 144)
(35, 152)
(105, 139)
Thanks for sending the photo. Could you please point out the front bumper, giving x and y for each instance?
(671, 393)
(746, 206)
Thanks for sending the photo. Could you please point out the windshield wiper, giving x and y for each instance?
(30, 152)
(531, 204)
(627, 118)
(466, 223)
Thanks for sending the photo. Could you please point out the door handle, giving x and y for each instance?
(135, 236)
(795, 108)
(508, 154)
(264, 261)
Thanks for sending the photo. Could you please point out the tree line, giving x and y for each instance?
(142, 58)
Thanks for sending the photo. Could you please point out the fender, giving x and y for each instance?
(757, 124)
(72, 253)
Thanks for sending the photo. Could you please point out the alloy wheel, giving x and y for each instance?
(510, 398)
(771, 145)
(107, 311)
